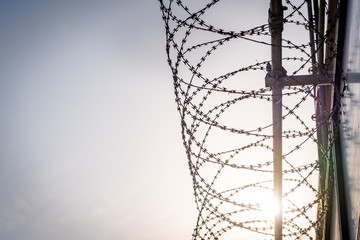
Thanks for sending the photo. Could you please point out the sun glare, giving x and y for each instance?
(270, 207)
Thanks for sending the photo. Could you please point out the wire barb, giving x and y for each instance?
(226, 125)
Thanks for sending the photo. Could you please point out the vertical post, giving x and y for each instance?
(276, 27)
(277, 155)
(311, 36)
(324, 109)
(321, 126)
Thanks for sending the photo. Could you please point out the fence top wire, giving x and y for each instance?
(225, 112)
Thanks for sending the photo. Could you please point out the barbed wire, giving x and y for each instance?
(226, 126)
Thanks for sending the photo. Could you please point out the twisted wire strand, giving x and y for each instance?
(229, 158)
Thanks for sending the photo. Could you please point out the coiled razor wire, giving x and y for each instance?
(225, 111)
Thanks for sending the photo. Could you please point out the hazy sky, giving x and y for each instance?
(90, 137)
(89, 132)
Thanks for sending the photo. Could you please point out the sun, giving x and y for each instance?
(270, 207)
(267, 207)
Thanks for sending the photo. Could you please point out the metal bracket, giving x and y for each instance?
(300, 80)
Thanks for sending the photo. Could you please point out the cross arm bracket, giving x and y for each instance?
(300, 80)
